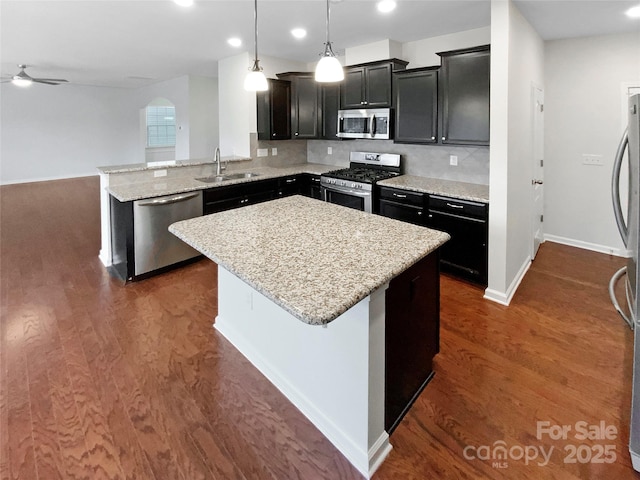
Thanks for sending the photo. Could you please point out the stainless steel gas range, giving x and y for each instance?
(353, 187)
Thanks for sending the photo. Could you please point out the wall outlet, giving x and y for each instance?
(263, 152)
(274, 151)
(588, 159)
(160, 173)
(329, 150)
(453, 160)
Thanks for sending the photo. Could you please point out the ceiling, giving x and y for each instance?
(122, 43)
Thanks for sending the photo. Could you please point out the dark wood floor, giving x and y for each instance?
(101, 380)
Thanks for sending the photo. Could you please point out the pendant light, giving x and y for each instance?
(255, 80)
(329, 68)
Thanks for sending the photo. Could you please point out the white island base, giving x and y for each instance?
(334, 373)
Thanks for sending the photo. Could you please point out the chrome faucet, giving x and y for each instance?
(216, 160)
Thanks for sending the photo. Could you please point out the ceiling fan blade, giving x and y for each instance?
(59, 80)
(42, 80)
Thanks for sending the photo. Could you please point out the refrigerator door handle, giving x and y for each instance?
(612, 295)
(615, 187)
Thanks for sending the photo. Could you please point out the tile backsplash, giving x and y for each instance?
(422, 160)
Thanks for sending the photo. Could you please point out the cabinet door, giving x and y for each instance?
(412, 335)
(305, 112)
(274, 111)
(330, 107)
(399, 211)
(416, 106)
(465, 98)
(289, 186)
(352, 92)
(378, 86)
(466, 253)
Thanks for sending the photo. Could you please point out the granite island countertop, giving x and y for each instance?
(436, 186)
(169, 186)
(314, 259)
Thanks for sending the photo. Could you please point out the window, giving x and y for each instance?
(161, 126)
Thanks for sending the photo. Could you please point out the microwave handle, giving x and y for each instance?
(373, 125)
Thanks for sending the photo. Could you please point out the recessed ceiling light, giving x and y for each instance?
(385, 6)
(633, 12)
(184, 3)
(299, 32)
(234, 42)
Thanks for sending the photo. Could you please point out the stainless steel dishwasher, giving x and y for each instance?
(154, 246)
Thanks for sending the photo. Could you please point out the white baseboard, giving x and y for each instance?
(47, 179)
(618, 252)
(504, 298)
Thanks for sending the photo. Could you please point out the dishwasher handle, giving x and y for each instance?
(166, 201)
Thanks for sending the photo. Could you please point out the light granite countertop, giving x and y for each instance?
(436, 186)
(138, 167)
(314, 259)
(169, 186)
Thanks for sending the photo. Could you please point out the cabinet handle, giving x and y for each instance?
(444, 138)
(297, 134)
(433, 138)
(454, 206)
(398, 195)
(290, 180)
(273, 135)
(419, 213)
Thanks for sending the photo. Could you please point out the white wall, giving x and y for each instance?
(70, 130)
(51, 132)
(583, 105)
(372, 52)
(237, 107)
(517, 62)
(422, 53)
(203, 117)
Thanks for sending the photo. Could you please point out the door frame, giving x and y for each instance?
(537, 167)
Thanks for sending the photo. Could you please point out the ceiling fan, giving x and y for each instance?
(22, 79)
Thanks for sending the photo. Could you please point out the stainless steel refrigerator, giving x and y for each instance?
(629, 149)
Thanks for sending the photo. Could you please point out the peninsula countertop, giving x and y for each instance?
(169, 186)
(435, 186)
(314, 259)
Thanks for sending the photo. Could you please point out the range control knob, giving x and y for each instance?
(353, 185)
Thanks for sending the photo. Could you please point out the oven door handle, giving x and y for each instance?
(349, 191)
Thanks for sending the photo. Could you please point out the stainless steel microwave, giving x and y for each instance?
(371, 123)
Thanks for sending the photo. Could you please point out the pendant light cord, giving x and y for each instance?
(255, 29)
(328, 41)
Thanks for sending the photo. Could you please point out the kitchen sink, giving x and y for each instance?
(230, 176)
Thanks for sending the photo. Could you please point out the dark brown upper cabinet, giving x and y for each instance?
(368, 85)
(330, 104)
(305, 104)
(464, 89)
(274, 111)
(415, 100)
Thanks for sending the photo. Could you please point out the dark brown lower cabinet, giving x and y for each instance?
(412, 336)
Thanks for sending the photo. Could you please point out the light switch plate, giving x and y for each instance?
(160, 173)
(453, 160)
(329, 150)
(263, 152)
(274, 151)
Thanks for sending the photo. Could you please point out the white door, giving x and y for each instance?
(537, 182)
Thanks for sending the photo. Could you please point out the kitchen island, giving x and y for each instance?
(302, 293)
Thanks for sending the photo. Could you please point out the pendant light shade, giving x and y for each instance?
(329, 69)
(255, 81)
